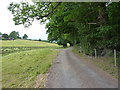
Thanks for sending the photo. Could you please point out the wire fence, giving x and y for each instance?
(112, 55)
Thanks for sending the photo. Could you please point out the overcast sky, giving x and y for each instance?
(36, 31)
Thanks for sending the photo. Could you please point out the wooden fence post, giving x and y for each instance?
(95, 53)
(115, 57)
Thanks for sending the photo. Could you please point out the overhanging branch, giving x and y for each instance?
(50, 11)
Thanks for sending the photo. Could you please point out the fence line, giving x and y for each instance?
(114, 53)
(95, 53)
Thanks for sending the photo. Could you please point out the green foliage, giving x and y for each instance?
(14, 35)
(25, 36)
(5, 36)
(72, 22)
(39, 40)
(0, 33)
(113, 15)
(24, 13)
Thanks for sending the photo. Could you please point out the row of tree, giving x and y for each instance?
(91, 25)
(12, 36)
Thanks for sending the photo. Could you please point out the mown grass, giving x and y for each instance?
(13, 46)
(26, 43)
(105, 63)
(6, 51)
(20, 69)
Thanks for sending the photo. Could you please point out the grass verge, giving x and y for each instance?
(20, 69)
(105, 63)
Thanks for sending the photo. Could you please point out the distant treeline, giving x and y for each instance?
(12, 36)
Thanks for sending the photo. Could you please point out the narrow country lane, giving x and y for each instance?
(69, 71)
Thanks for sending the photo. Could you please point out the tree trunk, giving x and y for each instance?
(65, 45)
(102, 16)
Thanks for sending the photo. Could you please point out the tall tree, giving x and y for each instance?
(14, 35)
(5, 36)
(70, 22)
(0, 33)
(25, 36)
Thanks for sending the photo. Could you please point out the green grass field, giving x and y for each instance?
(20, 69)
(11, 46)
(26, 43)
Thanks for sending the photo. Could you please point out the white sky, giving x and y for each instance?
(36, 31)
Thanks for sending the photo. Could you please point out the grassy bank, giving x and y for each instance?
(105, 63)
(21, 69)
(26, 43)
(13, 46)
(24, 65)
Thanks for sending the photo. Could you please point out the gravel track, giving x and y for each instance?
(70, 71)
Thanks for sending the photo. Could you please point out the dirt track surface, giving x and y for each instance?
(70, 71)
